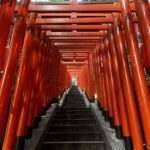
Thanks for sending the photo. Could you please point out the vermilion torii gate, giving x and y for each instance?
(43, 45)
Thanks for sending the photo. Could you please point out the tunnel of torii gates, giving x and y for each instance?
(104, 45)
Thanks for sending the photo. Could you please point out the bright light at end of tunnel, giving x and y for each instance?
(95, 96)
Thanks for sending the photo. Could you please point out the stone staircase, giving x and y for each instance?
(74, 127)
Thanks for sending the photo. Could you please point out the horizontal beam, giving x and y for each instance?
(76, 47)
(74, 44)
(74, 71)
(81, 58)
(76, 8)
(74, 68)
(76, 38)
(74, 27)
(67, 58)
(74, 63)
(75, 51)
(71, 70)
(74, 20)
(76, 59)
(75, 41)
(74, 34)
(70, 14)
(78, 53)
(74, 55)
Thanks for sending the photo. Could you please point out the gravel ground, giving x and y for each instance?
(31, 144)
(115, 143)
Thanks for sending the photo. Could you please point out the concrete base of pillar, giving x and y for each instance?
(111, 120)
(106, 116)
(29, 132)
(36, 122)
(20, 141)
(118, 130)
(128, 143)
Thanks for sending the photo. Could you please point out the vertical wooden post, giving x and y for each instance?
(35, 103)
(107, 75)
(141, 86)
(101, 105)
(6, 17)
(22, 125)
(120, 97)
(127, 85)
(23, 75)
(115, 109)
(94, 64)
(143, 13)
(104, 80)
(98, 71)
(11, 63)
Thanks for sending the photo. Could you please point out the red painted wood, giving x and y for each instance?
(6, 17)
(74, 20)
(11, 63)
(17, 101)
(127, 85)
(76, 38)
(141, 87)
(143, 12)
(75, 8)
(74, 34)
(68, 14)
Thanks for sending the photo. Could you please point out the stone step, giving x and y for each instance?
(73, 128)
(73, 136)
(73, 116)
(87, 145)
(73, 112)
(72, 106)
(74, 122)
(75, 109)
